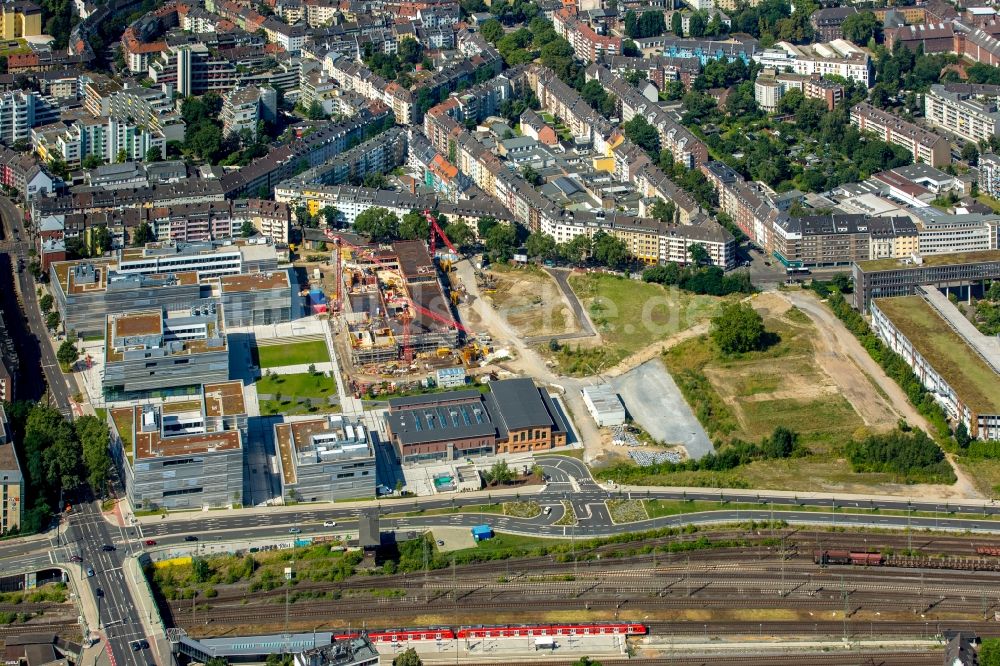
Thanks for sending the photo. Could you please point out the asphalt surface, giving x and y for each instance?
(570, 482)
(87, 533)
(17, 243)
(654, 401)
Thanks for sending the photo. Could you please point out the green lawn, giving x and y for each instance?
(299, 385)
(301, 353)
(630, 315)
(288, 408)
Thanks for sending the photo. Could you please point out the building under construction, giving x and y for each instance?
(393, 304)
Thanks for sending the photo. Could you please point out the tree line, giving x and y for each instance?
(58, 458)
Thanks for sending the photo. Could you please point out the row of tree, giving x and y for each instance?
(58, 458)
(699, 278)
(906, 453)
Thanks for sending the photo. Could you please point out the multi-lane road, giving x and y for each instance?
(17, 245)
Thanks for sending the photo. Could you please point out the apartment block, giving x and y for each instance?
(182, 454)
(21, 110)
(957, 364)
(19, 19)
(924, 145)
(966, 110)
(243, 108)
(833, 240)
(989, 175)
(587, 44)
(11, 479)
(838, 57)
(770, 86)
(106, 138)
(161, 349)
(325, 459)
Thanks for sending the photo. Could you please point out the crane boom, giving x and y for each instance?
(436, 231)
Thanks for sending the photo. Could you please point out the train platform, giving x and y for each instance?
(507, 650)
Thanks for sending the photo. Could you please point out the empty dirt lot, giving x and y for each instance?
(531, 302)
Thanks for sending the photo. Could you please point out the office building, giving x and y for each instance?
(256, 299)
(86, 292)
(325, 459)
(832, 240)
(924, 145)
(957, 364)
(883, 278)
(966, 110)
(11, 479)
(183, 454)
(160, 349)
(210, 259)
(514, 417)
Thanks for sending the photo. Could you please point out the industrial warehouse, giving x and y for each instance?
(515, 416)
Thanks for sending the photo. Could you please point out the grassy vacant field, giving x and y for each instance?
(301, 353)
(749, 395)
(630, 315)
(300, 385)
(530, 301)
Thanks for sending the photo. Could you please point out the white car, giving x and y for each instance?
(329, 523)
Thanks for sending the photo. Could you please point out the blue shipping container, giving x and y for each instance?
(482, 532)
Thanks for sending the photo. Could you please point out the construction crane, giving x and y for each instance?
(407, 315)
(436, 231)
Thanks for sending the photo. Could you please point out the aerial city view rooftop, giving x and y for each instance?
(356, 332)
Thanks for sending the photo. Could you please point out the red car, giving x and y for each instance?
(149, 542)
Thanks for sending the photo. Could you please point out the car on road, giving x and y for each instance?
(99, 592)
(107, 548)
(135, 646)
(75, 558)
(144, 644)
(294, 530)
(547, 510)
(150, 542)
(190, 537)
(329, 523)
(90, 572)
(440, 542)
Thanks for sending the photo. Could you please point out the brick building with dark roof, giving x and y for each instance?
(514, 417)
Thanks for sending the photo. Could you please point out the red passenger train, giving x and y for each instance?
(531, 630)
(501, 631)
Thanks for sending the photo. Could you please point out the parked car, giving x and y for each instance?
(150, 542)
(75, 558)
(90, 572)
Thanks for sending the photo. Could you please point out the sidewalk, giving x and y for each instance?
(404, 504)
(842, 499)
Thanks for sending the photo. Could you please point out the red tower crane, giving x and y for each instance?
(407, 316)
(437, 231)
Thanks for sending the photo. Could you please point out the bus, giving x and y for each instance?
(792, 271)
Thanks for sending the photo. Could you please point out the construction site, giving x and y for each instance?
(396, 312)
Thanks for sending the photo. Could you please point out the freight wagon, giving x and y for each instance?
(826, 557)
